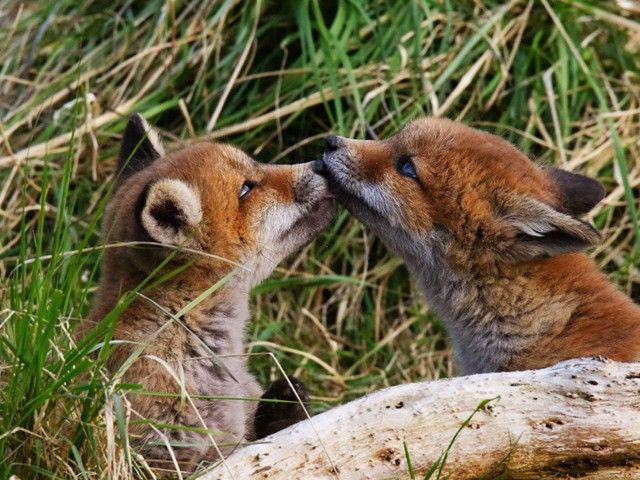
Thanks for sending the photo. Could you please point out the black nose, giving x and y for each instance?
(332, 142)
(318, 166)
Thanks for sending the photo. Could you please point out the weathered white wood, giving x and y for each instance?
(580, 417)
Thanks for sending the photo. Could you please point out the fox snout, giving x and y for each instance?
(348, 159)
(336, 164)
(332, 144)
(354, 171)
(311, 210)
(311, 187)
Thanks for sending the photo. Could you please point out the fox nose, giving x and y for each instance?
(319, 166)
(332, 143)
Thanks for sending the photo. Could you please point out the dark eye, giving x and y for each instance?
(246, 188)
(406, 167)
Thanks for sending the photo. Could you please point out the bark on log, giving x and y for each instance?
(578, 419)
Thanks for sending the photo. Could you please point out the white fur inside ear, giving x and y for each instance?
(171, 207)
(153, 137)
(537, 219)
(533, 227)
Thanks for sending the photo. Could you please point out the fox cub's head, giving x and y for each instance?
(440, 184)
(212, 198)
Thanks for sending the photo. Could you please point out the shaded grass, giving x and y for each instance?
(559, 79)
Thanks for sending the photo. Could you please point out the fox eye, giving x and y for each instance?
(406, 167)
(246, 188)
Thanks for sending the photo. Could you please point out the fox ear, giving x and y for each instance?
(140, 146)
(170, 210)
(538, 230)
(579, 194)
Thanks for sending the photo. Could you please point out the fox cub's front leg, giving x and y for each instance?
(271, 416)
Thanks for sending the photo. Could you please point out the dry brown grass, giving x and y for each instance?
(560, 79)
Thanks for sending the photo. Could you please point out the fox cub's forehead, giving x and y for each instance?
(221, 157)
(458, 143)
(428, 133)
(206, 163)
(476, 156)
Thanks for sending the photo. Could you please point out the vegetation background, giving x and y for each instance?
(560, 79)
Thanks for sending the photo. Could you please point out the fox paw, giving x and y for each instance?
(272, 417)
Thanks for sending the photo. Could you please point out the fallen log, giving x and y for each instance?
(578, 419)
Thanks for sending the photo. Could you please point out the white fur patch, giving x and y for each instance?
(537, 219)
(278, 219)
(533, 227)
(152, 136)
(183, 197)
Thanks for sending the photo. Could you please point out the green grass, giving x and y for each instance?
(559, 79)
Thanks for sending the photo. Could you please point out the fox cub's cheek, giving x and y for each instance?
(275, 220)
(411, 207)
(171, 211)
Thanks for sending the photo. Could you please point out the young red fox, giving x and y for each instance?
(493, 241)
(240, 215)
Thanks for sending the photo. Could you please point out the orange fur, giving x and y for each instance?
(193, 196)
(493, 240)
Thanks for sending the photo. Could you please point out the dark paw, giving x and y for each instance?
(272, 417)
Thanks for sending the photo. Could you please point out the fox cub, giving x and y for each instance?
(494, 241)
(225, 218)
